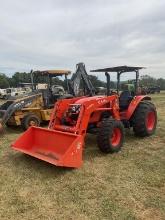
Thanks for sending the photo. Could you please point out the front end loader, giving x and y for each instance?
(62, 143)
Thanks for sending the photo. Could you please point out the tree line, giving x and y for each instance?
(23, 77)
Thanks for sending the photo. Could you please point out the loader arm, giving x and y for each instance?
(62, 144)
(7, 109)
(86, 107)
(74, 83)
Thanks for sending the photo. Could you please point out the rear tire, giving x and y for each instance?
(30, 120)
(111, 136)
(144, 120)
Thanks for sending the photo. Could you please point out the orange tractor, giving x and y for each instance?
(62, 143)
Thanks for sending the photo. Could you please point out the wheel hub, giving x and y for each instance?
(150, 122)
(116, 137)
(32, 123)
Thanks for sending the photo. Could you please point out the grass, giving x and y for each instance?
(127, 185)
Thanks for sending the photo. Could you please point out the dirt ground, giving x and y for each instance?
(126, 185)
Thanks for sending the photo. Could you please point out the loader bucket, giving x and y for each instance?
(56, 147)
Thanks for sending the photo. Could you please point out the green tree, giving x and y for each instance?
(147, 81)
(161, 83)
(18, 78)
(3, 81)
(96, 82)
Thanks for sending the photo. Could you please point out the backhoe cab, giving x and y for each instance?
(63, 142)
(50, 91)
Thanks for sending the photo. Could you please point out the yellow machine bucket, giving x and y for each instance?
(56, 147)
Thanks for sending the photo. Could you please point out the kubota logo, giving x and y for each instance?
(102, 101)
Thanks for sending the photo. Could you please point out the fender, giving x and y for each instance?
(134, 104)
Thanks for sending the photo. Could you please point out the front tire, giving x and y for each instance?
(144, 120)
(111, 136)
(30, 120)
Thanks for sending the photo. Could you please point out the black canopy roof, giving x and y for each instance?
(121, 69)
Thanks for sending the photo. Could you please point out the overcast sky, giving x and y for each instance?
(46, 34)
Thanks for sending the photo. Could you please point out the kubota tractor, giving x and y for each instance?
(106, 116)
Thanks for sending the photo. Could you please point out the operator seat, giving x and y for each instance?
(125, 99)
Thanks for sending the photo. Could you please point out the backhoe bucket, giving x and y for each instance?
(56, 147)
